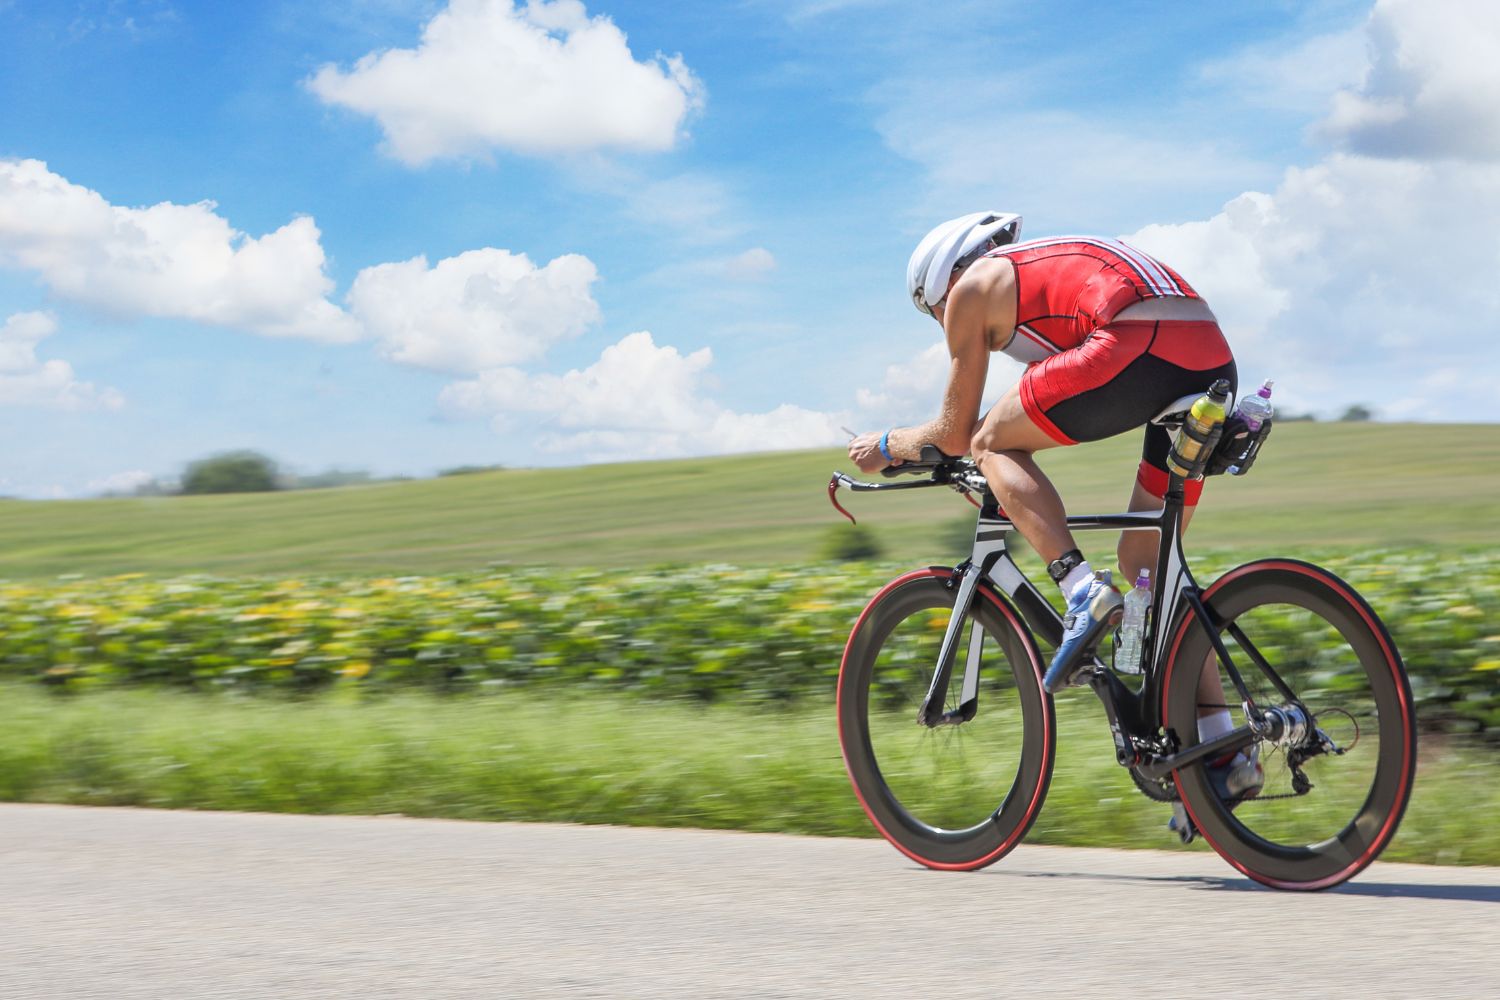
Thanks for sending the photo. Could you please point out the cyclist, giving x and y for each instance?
(1109, 336)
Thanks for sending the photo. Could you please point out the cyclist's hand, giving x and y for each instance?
(864, 451)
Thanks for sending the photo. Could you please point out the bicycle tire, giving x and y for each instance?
(1336, 655)
(913, 801)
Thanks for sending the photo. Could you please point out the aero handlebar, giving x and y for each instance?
(938, 469)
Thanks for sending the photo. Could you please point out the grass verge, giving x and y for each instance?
(595, 759)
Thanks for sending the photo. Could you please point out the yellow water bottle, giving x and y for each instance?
(1206, 415)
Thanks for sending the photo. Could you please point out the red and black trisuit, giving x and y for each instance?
(1089, 376)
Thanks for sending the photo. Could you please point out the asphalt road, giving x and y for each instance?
(123, 903)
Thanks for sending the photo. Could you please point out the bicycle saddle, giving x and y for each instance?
(1173, 413)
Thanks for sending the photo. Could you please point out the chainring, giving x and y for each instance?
(1159, 790)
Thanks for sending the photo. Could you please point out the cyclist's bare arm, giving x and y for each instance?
(978, 312)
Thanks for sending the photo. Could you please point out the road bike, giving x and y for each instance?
(953, 770)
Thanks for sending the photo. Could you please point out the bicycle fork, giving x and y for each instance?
(931, 712)
(989, 558)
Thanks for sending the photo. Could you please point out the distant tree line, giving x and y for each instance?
(1358, 413)
(246, 471)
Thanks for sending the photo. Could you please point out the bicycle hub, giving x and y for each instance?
(1286, 727)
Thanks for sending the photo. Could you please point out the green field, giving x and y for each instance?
(375, 590)
(1315, 484)
(587, 759)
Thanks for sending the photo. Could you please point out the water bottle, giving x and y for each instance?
(1256, 410)
(1133, 625)
(1206, 414)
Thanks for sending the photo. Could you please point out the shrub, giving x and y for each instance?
(850, 543)
(231, 472)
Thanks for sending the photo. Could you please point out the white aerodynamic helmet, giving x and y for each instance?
(956, 243)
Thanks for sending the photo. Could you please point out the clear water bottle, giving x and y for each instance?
(1133, 625)
(1256, 410)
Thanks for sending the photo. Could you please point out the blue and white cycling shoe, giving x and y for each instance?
(1093, 607)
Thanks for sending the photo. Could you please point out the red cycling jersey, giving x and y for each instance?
(1069, 286)
(1089, 375)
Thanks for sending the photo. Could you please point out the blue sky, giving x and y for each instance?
(299, 227)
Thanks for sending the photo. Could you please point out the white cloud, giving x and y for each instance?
(168, 260)
(1227, 258)
(1369, 277)
(1354, 263)
(542, 79)
(25, 380)
(637, 401)
(754, 264)
(1430, 87)
(911, 392)
(482, 309)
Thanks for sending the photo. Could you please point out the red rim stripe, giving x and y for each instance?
(1406, 745)
(1037, 796)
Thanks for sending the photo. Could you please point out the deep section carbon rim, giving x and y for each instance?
(956, 796)
(1324, 813)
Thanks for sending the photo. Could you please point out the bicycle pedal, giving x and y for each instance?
(1182, 824)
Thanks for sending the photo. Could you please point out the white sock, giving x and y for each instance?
(1217, 724)
(1214, 724)
(1070, 582)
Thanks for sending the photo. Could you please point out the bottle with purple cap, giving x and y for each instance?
(1254, 410)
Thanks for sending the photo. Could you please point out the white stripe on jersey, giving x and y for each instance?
(1028, 347)
(1150, 270)
(1149, 261)
(1041, 341)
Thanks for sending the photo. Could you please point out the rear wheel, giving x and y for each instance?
(955, 796)
(1327, 808)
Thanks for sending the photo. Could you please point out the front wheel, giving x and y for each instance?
(954, 797)
(1331, 801)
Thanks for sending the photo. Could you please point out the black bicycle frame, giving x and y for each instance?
(1134, 719)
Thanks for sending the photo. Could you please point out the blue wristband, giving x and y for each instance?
(885, 446)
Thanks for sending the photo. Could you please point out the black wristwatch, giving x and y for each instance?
(1060, 567)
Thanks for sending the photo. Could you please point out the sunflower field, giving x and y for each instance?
(709, 633)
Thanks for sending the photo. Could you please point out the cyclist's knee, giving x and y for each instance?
(992, 439)
(979, 444)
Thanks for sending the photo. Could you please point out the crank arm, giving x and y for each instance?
(1156, 768)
